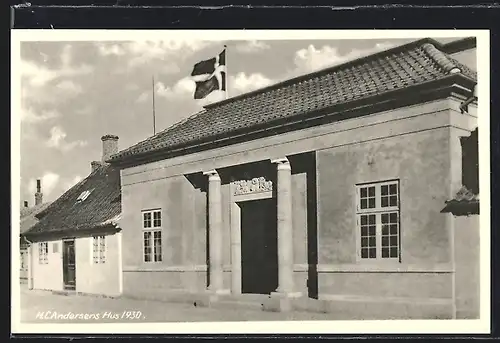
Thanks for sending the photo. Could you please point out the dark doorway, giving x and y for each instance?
(259, 246)
(69, 267)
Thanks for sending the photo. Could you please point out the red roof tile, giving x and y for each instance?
(97, 210)
(397, 68)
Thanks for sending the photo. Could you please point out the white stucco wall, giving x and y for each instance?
(100, 278)
(48, 276)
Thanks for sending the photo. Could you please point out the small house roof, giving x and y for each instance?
(91, 204)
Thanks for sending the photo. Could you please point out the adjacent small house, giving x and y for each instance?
(27, 220)
(76, 244)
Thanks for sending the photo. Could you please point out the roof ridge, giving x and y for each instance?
(311, 75)
(442, 59)
(166, 130)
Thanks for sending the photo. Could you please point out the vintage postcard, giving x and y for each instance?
(250, 181)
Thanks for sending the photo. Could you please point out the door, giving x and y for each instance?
(259, 257)
(69, 266)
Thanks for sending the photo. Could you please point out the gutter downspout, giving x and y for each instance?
(465, 104)
(30, 262)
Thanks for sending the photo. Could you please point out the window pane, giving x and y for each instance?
(394, 241)
(393, 189)
(385, 229)
(364, 203)
(364, 220)
(385, 252)
(371, 219)
(394, 217)
(385, 202)
(394, 252)
(372, 241)
(364, 192)
(364, 241)
(385, 218)
(373, 253)
(371, 191)
(384, 190)
(371, 203)
(394, 200)
(385, 241)
(394, 229)
(364, 253)
(364, 230)
(371, 230)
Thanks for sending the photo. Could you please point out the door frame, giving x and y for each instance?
(63, 252)
(235, 223)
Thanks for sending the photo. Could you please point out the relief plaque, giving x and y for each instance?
(255, 185)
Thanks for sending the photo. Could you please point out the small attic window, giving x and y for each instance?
(83, 196)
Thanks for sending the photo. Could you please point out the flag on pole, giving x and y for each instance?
(210, 75)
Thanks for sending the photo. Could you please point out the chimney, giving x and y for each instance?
(94, 165)
(109, 146)
(38, 194)
(25, 203)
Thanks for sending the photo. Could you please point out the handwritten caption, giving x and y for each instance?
(106, 315)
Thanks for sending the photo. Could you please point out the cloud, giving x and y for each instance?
(37, 79)
(252, 46)
(143, 52)
(30, 115)
(245, 83)
(58, 140)
(71, 182)
(69, 87)
(49, 182)
(106, 49)
(143, 97)
(311, 58)
(181, 88)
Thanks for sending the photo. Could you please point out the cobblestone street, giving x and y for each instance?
(42, 306)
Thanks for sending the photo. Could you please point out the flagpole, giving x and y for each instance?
(154, 115)
(227, 76)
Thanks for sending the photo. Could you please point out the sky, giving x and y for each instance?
(73, 93)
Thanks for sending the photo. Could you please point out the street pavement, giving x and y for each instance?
(46, 307)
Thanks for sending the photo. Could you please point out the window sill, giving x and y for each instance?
(378, 268)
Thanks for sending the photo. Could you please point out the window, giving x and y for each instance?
(84, 195)
(152, 228)
(377, 211)
(43, 253)
(99, 249)
(55, 248)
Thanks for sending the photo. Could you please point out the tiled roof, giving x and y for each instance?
(28, 216)
(465, 202)
(101, 208)
(398, 68)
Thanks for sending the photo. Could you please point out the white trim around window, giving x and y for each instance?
(378, 229)
(152, 236)
(43, 253)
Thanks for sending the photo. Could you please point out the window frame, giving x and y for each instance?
(152, 229)
(43, 252)
(378, 211)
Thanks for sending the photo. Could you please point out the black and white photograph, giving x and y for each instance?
(250, 181)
